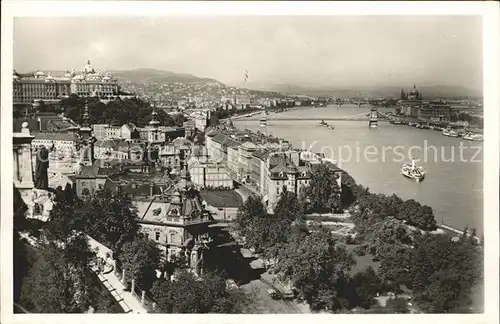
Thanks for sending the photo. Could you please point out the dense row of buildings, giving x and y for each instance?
(28, 88)
(200, 93)
(267, 164)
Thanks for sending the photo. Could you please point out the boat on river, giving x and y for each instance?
(323, 123)
(473, 137)
(450, 133)
(397, 122)
(412, 171)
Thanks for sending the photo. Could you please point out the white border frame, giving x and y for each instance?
(491, 56)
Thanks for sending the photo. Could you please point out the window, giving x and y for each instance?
(173, 238)
(101, 187)
(157, 236)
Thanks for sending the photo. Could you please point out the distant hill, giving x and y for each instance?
(138, 75)
(429, 92)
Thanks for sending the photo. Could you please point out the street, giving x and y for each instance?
(260, 286)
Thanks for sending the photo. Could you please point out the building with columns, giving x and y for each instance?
(28, 88)
(23, 163)
(23, 176)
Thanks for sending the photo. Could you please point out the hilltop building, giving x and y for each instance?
(28, 88)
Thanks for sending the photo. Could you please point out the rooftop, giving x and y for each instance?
(55, 136)
(222, 198)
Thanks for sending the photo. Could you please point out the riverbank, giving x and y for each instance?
(453, 186)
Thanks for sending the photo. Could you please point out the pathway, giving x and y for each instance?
(261, 286)
(128, 302)
(126, 299)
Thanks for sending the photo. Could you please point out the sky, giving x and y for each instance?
(320, 51)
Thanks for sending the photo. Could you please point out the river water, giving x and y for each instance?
(453, 186)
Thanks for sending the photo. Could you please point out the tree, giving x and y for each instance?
(397, 305)
(115, 112)
(20, 265)
(140, 259)
(395, 265)
(318, 266)
(188, 295)
(274, 231)
(20, 209)
(268, 234)
(372, 208)
(55, 285)
(444, 272)
(109, 217)
(323, 191)
(179, 119)
(387, 235)
(288, 207)
(416, 214)
(252, 210)
(362, 288)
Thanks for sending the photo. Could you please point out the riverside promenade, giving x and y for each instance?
(128, 302)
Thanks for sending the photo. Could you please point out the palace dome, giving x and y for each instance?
(414, 91)
(49, 78)
(39, 74)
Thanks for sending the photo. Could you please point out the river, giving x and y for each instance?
(453, 186)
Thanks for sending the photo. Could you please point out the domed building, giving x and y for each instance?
(88, 68)
(86, 83)
(39, 75)
(414, 94)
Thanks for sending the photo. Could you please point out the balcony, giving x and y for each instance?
(185, 221)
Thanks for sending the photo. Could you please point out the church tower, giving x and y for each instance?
(154, 134)
(86, 140)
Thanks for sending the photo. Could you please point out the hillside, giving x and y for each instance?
(138, 75)
(430, 92)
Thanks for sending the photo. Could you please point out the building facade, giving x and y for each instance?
(178, 223)
(27, 88)
(438, 111)
(209, 174)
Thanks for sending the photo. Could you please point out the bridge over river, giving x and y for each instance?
(312, 119)
(279, 117)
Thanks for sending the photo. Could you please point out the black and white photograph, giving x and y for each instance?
(266, 163)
